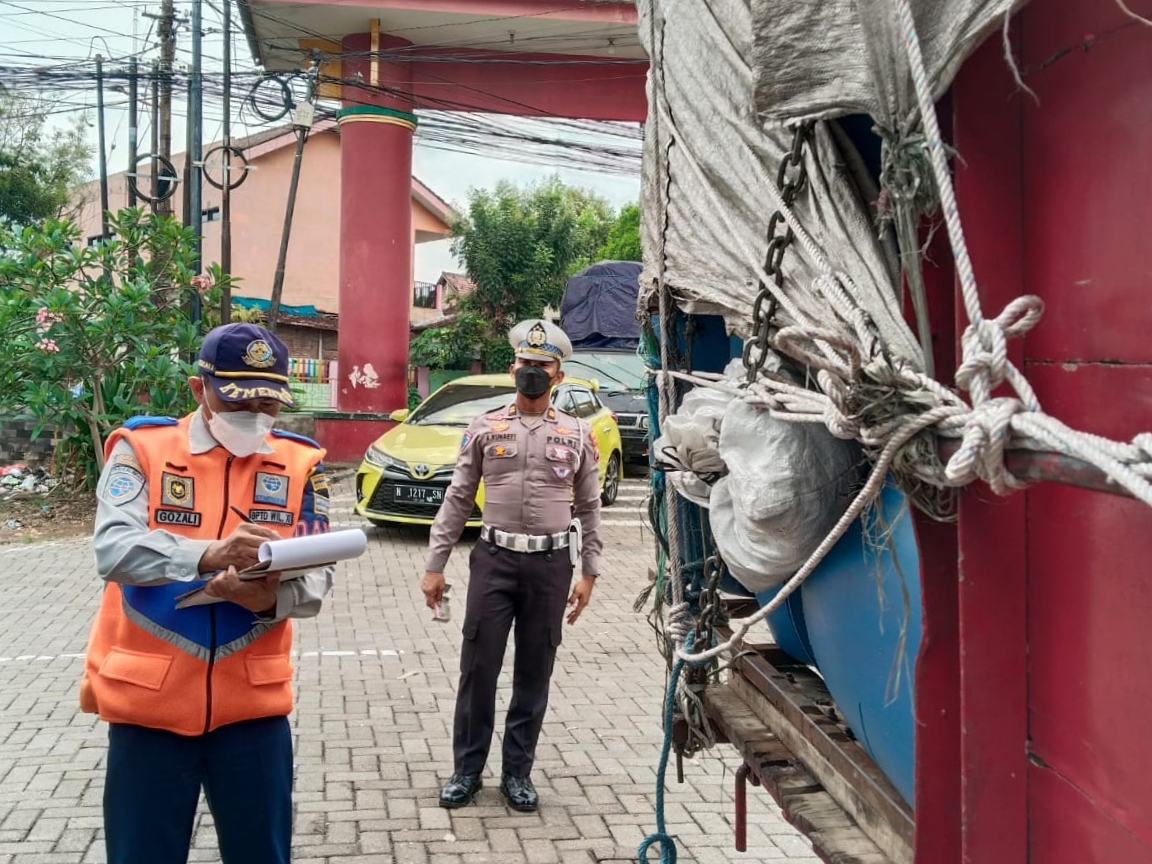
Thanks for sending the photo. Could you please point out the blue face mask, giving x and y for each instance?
(532, 381)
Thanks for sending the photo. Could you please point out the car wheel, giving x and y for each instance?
(611, 482)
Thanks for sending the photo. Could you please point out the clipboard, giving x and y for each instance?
(292, 557)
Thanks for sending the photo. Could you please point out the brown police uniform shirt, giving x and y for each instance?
(539, 472)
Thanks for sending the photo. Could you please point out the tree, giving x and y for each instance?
(518, 245)
(623, 243)
(86, 340)
(37, 168)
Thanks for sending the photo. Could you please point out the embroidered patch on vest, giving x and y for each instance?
(319, 481)
(271, 489)
(271, 517)
(177, 517)
(320, 505)
(562, 471)
(177, 491)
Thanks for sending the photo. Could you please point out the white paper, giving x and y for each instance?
(311, 550)
(293, 558)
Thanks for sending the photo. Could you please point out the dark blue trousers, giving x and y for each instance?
(153, 786)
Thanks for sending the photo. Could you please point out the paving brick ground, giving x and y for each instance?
(375, 688)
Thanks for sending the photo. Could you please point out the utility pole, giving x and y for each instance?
(155, 144)
(133, 123)
(195, 148)
(103, 153)
(226, 192)
(167, 58)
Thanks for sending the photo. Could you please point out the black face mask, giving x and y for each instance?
(532, 381)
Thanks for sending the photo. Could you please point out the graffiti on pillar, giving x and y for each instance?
(366, 378)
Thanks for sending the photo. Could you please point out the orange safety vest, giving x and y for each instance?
(193, 670)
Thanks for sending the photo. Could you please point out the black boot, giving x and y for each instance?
(519, 792)
(460, 790)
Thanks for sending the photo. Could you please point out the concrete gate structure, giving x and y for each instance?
(386, 60)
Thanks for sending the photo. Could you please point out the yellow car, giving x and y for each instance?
(406, 470)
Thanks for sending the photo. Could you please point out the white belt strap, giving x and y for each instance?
(524, 542)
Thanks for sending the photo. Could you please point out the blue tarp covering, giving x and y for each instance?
(599, 306)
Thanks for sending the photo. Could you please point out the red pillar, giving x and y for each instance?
(376, 127)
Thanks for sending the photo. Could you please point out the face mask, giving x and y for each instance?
(532, 381)
(241, 432)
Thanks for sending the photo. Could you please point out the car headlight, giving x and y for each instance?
(376, 456)
(644, 421)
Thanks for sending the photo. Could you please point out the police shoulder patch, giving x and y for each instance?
(466, 440)
(144, 420)
(293, 436)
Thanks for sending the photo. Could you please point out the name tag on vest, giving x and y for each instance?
(177, 517)
(271, 517)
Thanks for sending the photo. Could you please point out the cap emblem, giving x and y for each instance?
(259, 354)
(537, 336)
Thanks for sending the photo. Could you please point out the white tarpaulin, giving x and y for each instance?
(712, 148)
(834, 57)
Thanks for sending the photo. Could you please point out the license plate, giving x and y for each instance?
(418, 494)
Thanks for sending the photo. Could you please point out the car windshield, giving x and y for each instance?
(460, 404)
(613, 371)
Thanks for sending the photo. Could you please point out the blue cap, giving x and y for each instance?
(245, 361)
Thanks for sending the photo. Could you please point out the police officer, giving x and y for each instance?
(199, 696)
(540, 468)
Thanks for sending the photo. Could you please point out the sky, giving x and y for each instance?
(52, 33)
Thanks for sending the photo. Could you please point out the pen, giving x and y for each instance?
(240, 513)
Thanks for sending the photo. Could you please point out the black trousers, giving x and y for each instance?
(532, 590)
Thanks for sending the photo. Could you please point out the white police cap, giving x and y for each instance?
(537, 339)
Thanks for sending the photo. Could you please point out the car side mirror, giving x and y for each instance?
(400, 415)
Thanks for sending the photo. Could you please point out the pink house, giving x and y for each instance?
(312, 271)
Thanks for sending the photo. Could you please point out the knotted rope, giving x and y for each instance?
(886, 404)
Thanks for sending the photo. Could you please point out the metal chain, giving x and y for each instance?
(711, 603)
(697, 734)
(764, 309)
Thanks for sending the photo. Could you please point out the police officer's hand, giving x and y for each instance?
(433, 587)
(238, 549)
(255, 595)
(579, 597)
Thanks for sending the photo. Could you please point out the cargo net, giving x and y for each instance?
(865, 392)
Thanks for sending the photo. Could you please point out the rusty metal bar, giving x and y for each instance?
(742, 807)
(847, 757)
(1036, 466)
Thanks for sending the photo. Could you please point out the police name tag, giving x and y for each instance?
(271, 489)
